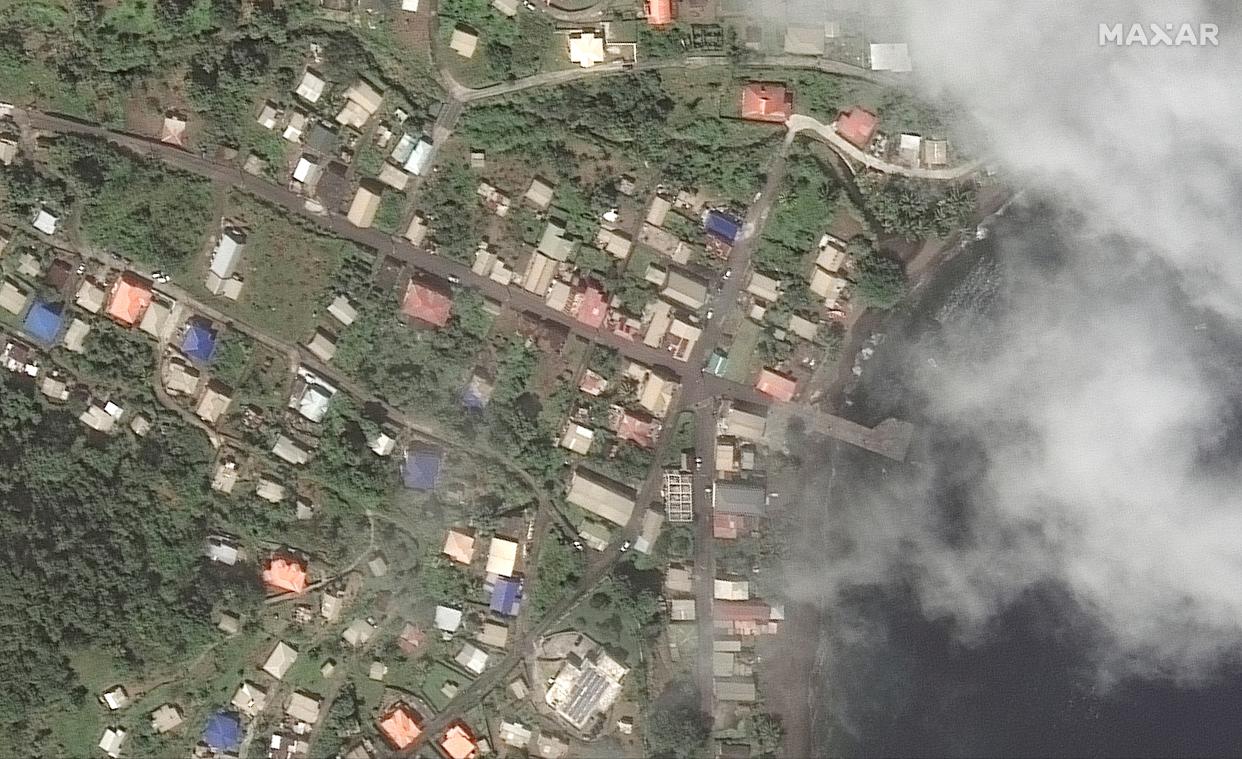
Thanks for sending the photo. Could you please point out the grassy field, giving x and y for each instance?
(743, 359)
(439, 674)
(288, 274)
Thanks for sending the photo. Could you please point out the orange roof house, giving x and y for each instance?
(458, 744)
(766, 101)
(659, 12)
(285, 574)
(857, 125)
(776, 386)
(459, 546)
(130, 297)
(427, 304)
(401, 726)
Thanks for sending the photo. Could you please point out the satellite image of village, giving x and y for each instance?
(597, 379)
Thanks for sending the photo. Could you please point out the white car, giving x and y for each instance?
(625, 546)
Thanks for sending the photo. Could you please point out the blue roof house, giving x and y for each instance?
(43, 321)
(421, 470)
(477, 393)
(507, 596)
(223, 731)
(724, 226)
(199, 342)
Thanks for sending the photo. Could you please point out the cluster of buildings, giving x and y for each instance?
(327, 128)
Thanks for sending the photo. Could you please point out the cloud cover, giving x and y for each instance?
(1102, 407)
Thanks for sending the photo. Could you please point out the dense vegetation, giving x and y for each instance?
(636, 120)
(136, 207)
(102, 549)
(509, 47)
(212, 57)
(880, 281)
(915, 208)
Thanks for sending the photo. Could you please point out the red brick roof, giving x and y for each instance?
(765, 101)
(741, 611)
(639, 430)
(857, 126)
(776, 386)
(593, 308)
(659, 12)
(427, 304)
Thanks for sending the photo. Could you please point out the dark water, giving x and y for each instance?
(906, 686)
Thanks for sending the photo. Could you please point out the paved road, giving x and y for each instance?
(338, 225)
(704, 549)
(799, 123)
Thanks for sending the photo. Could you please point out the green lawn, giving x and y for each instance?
(288, 272)
(440, 673)
(742, 353)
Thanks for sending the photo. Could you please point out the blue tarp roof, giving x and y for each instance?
(723, 226)
(421, 470)
(477, 394)
(43, 321)
(223, 731)
(199, 342)
(506, 596)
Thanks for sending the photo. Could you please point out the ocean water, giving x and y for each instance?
(890, 682)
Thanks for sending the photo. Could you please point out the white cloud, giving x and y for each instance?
(1098, 403)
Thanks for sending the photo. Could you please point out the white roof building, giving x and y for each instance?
(731, 590)
(303, 708)
(448, 619)
(311, 87)
(225, 255)
(586, 48)
(280, 660)
(358, 632)
(501, 557)
(463, 41)
(343, 311)
(472, 659)
(419, 158)
(890, 57)
(46, 223)
(111, 741)
(249, 699)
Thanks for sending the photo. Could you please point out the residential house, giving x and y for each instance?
(249, 699)
(280, 660)
(365, 204)
(501, 557)
(459, 546)
(214, 402)
(464, 41)
(766, 101)
(586, 48)
(401, 725)
(472, 659)
(428, 304)
(361, 102)
(601, 496)
(890, 56)
(311, 86)
(776, 386)
(857, 126)
(303, 707)
(539, 194)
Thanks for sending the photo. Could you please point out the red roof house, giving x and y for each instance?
(458, 743)
(427, 304)
(659, 12)
(131, 295)
(638, 429)
(766, 101)
(401, 726)
(592, 307)
(776, 386)
(285, 574)
(857, 126)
